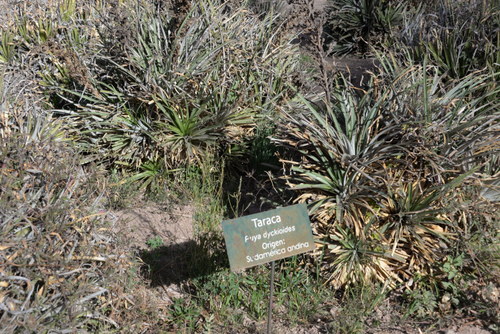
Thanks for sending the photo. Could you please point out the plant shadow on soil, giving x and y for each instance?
(176, 263)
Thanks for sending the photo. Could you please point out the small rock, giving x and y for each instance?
(334, 311)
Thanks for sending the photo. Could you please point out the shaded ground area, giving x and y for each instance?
(162, 238)
(305, 20)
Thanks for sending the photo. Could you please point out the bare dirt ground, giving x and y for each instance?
(140, 224)
(169, 228)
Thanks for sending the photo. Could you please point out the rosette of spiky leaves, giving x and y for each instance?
(353, 256)
(338, 152)
(340, 149)
(414, 218)
(355, 25)
(189, 131)
(463, 38)
(426, 131)
(448, 127)
(173, 96)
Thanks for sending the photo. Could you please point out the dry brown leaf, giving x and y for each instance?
(4, 247)
(54, 280)
(12, 257)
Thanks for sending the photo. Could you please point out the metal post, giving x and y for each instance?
(270, 310)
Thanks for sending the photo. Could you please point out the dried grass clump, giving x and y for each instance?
(60, 267)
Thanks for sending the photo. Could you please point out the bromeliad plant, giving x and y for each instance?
(339, 153)
(414, 219)
(381, 169)
(340, 147)
(461, 39)
(178, 92)
(451, 126)
(357, 25)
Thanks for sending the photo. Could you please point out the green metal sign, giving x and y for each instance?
(268, 236)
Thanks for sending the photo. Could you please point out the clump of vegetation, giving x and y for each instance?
(380, 169)
(104, 102)
(358, 25)
(58, 261)
(176, 92)
(458, 37)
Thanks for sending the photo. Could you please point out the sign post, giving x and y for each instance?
(266, 237)
(270, 308)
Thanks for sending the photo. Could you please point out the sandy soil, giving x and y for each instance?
(139, 224)
(135, 226)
